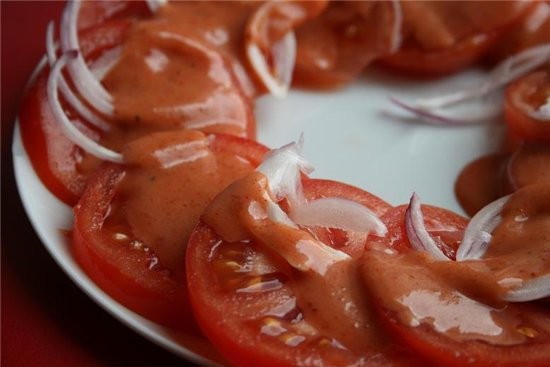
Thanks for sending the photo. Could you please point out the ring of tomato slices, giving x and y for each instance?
(428, 330)
(119, 263)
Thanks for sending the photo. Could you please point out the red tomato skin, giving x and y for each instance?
(211, 323)
(167, 305)
(436, 348)
(432, 64)
(124, 273)
(54, 157)
(430, 344)
(520, 125)
(232, 336)
(39, 130)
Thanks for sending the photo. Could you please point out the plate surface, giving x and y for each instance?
(353, 135)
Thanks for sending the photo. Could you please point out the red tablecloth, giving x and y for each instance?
(46, 320)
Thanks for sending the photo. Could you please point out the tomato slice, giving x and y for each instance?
(523, 97)
(62, 166)
(450, 321)
(417, 62)
(142, 271)
(260, 311)
(440, 38)
(336, 46)
(533, 29)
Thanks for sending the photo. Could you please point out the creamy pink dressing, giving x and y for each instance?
(328, 294)
(420, 293)
(169, 180)
(464, 300)
(490, 177)
(185, 70)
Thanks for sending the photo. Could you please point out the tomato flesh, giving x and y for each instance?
(62, 166)
(524, 96)
(431, 309)
(116, 256)
(440, 38)
(259, 310)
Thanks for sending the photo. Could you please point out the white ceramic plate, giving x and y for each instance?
(353, 135)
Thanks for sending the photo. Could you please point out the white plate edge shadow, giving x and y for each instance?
(37, 201)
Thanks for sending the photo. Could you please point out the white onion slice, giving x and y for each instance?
(277, 75)
(85, 82)
(103, 64)
(339, 213)
(283, 168)
(284, 58)
(478, 232)
(72, 133)
(396, 38)
(431, 109)
(531, 290)
(68, 94)
(318, 256)
(155, 5)
(418, 236)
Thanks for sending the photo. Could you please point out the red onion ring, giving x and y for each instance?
(86, 84)
(72, 133)
(430, 109)
(344, 214)
(418, 236)
(477, 234)
(432, 116)
(68, 94)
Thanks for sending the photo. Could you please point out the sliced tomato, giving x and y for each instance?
(62, 166)
(143, 273)
(414, 61)
(440, 38)
(533, 29)
(259, 311)
(120, 269)
(336, 46)
(429, 308)
(523, 97)
(529, 165)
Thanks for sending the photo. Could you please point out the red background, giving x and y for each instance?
(45, 319)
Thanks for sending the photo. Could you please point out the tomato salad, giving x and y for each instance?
(142, 120)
